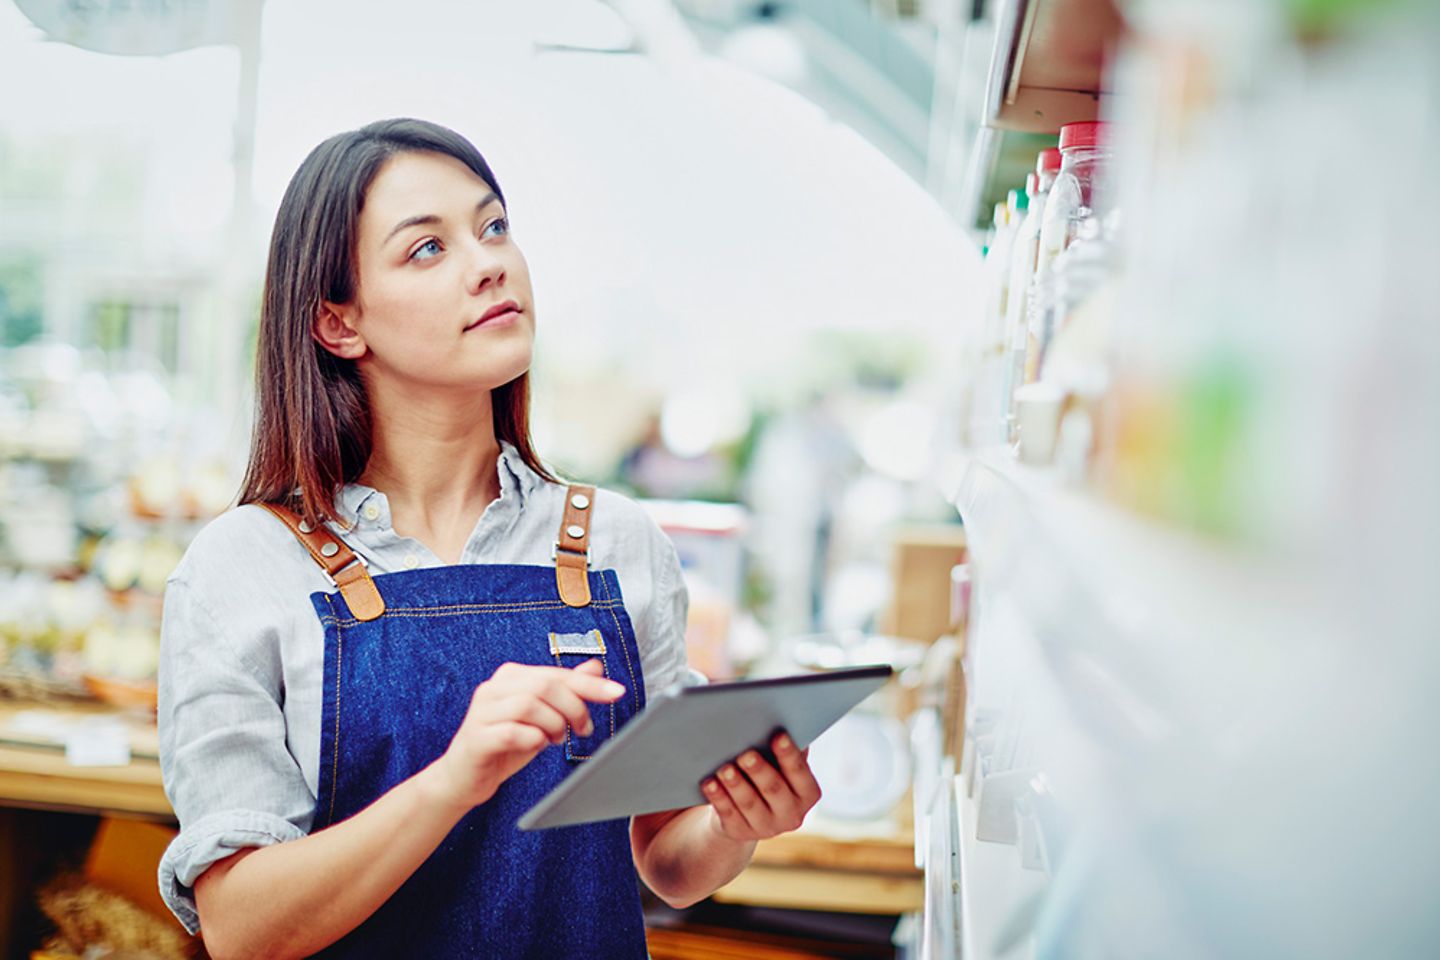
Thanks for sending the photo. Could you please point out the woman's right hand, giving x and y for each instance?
(512, 717)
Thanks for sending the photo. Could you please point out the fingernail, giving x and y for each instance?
(749, 760)
(729, 774)
(613, 687)
(785, 742)
(710, 786)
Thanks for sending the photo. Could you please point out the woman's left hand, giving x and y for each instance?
(753, 800)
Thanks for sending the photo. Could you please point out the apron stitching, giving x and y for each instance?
(610, 605)
(335, 760)
(481, 608)
(418, 612)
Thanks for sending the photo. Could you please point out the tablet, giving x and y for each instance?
(684, 735)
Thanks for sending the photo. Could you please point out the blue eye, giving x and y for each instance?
(425, 246)
(502, 222)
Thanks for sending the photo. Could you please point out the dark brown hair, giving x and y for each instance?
(312, 420)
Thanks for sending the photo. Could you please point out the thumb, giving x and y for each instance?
(592, 667)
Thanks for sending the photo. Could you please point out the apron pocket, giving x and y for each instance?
(570, 650)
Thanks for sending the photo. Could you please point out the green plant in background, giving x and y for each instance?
(22, 316)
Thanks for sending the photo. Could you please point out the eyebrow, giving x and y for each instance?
(427, 218)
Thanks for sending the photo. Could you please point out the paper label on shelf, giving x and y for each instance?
(103, 743)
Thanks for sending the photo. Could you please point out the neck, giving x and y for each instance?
(434, 457)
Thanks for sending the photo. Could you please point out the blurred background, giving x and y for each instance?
(1078, 358)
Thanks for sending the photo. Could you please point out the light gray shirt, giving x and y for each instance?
(242, 651)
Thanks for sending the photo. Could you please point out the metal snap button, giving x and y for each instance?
(305, 527)
(329, 549)
(372, 512)
(580, 501)
(575, 531)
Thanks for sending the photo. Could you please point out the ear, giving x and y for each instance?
(334, 329)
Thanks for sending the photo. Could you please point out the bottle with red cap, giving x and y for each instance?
(1085, 157)
(1047, 167)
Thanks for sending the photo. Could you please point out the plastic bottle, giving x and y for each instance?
(1022, 273)
(986, 415)
(1085, 157)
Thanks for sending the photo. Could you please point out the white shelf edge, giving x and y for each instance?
(1148, 630)
(993, 885)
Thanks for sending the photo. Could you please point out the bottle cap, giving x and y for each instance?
(1032, 185)
(1017, 200)
(1048, 161)
(1086, 134)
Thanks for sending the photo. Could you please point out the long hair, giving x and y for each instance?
(312, 431)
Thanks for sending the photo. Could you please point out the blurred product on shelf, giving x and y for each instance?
(986, 411)
(102, 485)
(922, 558)
(1217, 551)
(112, 908)
(708, 539)
(863, 762)
(1077, 366)
(1023, 258)
(1086, 154)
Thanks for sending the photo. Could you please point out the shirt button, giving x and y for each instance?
(411, 561)
(371, 512)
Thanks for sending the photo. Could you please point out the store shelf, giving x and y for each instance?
(1047, 65)
(998, 163)
(1124, 609)
(35, 773)
(1046, 70)
(994, 889)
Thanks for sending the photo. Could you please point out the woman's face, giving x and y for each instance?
(434, 256)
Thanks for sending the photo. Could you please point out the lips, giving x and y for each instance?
(499, 310)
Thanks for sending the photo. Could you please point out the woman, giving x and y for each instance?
(409, 631)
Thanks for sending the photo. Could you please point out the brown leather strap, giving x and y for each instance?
(342, 566)
(572, 548)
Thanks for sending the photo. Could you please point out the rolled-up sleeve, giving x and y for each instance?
(228, 771)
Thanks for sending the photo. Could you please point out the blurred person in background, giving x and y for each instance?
(348, 766)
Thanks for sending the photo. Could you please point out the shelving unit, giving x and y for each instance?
(994, 886)
(1125, 654)
(1045, 71)
(1119, 604)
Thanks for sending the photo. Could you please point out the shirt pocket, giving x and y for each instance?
(570, 650)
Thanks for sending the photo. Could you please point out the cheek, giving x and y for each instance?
(518, 272)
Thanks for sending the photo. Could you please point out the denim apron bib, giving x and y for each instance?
(403, 654)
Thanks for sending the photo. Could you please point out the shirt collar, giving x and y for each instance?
(515, 472)
(516, 479)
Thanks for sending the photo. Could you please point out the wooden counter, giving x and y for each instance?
(34, 772)
(808, 870)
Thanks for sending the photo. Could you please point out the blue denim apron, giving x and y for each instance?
(396, 689)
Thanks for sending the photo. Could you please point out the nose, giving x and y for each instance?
(486, 269)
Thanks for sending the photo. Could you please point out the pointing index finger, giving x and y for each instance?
(594, 688)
